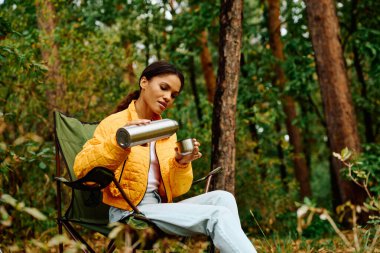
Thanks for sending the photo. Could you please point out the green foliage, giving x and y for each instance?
(319, 228)
(92, 39)
(361, 234)
(363, 173)
(369, 162)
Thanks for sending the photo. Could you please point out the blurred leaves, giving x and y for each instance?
(92, 39)
(20, 206)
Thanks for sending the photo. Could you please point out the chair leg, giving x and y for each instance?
(128, 243)
(76, 236)
(212, 247)
(111, 246)
(128, 240)
(60, 232)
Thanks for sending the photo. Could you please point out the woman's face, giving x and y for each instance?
(160, 91)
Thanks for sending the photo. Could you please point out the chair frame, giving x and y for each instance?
(102, 177)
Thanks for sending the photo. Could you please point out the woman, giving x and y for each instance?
(154, 174)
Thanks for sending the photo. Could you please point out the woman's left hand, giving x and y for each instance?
(185, 159)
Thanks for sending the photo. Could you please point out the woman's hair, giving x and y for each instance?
(155, 69)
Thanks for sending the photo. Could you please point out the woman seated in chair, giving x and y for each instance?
(153, 175)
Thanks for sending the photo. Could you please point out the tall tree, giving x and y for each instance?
(224, 114)
(47, 21)
(368, 121)
(208, 71)
(334, 86)
(288, 103)
(193, 84)
(129, 74)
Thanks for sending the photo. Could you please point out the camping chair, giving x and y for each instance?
(86, 208)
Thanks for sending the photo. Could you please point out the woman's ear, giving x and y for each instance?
(143, 82)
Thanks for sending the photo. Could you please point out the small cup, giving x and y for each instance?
(185, 146)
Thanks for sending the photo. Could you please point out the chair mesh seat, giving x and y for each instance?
(86, 207)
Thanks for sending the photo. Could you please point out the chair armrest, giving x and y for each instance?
(211, 173)
(96, 179)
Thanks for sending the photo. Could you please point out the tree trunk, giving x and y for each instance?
(194, 88)
(129, 74)
(281, 157)
(46, 19)
(334, 85)
(368, 122)
(289, 107)
(208, 71)
(224, 114)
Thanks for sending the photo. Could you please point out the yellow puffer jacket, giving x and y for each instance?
(103, 150)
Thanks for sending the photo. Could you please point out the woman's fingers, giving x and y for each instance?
(138, 122)
(187, 158)
(196, 143)
(194, 155)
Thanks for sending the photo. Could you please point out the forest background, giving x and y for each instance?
(82, 57)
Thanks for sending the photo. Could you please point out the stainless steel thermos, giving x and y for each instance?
(134, 135)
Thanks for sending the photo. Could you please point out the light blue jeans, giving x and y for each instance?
(214, 214)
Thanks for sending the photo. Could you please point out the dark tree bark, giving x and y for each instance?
(250, 104)
(46, 19)
(281, 157)
(334, 85)
(208, 70)
(368, 122)
(194, 88)
(129, 74)
(224, 115)
(289, 106)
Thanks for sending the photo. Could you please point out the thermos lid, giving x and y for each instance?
(123, 138)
